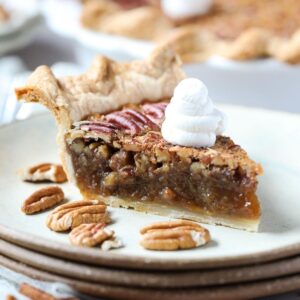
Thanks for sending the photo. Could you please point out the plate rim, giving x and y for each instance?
(246, 290)
(111, 259)
(142, 278)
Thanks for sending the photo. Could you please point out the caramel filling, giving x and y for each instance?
(103, 169)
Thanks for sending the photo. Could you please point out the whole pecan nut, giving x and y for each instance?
(73, 214)
(43, 199)
(90, 235)
(174, 235)
(44, 172)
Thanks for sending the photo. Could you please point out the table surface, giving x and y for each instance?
(48, 48)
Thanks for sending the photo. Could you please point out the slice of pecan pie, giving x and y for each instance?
(112, 148)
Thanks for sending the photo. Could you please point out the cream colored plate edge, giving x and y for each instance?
(270, 138)
(148, 279)
(238, 291)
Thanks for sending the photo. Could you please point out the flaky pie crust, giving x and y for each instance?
(195, 45)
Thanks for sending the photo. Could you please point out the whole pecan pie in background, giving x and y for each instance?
(236, 29)
(112, 148)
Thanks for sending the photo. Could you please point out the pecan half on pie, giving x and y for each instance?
(236, 29)
(112, 148)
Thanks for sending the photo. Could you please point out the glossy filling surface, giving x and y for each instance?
(123, 154)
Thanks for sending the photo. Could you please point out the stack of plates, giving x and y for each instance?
(236, 264)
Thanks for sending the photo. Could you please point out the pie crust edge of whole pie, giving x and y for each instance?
(192, 43)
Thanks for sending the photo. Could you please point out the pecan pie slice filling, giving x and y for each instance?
(123, 154)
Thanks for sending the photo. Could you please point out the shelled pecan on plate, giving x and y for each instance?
(43, 199)
(73, 214)
(174, 235)
(94, 234)
(44, 172)
(90, 235)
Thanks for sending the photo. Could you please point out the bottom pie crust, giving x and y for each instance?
(179, 213)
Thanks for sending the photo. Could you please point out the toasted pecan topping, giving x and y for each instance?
(124, 121)
(132, 121)
(43, 199)
(155, 111)
(98, 126)
(90, 235)
(174, 235)
(44, 172)
(141, 118)
(73, 214)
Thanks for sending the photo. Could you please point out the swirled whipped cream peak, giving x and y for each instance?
(182, 9)
(191, 119)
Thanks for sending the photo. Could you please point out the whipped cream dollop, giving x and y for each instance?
(182, 9)
(190, 118)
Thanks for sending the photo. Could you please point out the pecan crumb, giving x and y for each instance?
(113, 243)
